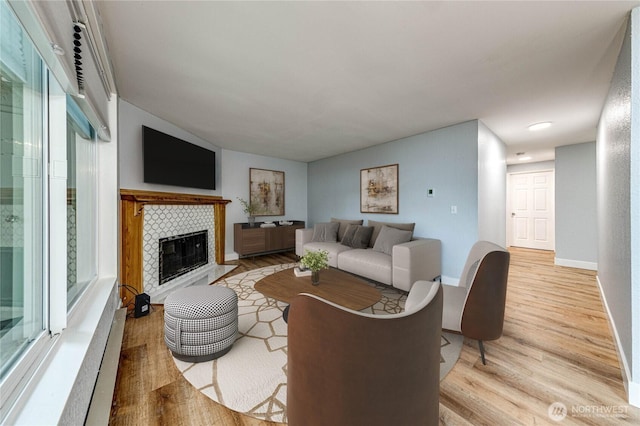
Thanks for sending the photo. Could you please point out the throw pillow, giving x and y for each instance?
(344, 224)
(347, 237)
(377, 226)
(362, 237)
(325, 232)
(389, 237)
(357, 236)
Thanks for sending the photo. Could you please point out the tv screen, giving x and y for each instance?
(172, 161)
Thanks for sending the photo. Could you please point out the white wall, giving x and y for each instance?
(531, 167)
(445, 160)
(235, 178)
(492, 186)
(618, 171)
(576, 206)
(131, 120)
(634, 213)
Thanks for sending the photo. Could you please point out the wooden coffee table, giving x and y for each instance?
(336, 286)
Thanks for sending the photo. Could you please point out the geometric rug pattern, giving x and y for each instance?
(252, 377)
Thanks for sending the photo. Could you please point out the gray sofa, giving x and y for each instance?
(390, 255)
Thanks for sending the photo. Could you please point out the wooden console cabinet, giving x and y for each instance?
(252, 241)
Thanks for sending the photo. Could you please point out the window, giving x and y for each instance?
(48, 184)
(81, 202)
(22, 183)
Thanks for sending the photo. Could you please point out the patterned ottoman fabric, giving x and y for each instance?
(203, 338)
(201, 322)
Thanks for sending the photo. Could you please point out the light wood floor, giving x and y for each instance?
(556, 347)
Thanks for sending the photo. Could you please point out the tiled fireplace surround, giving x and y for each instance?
(168, 221)
(150, 216)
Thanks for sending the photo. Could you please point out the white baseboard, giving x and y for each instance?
(634, 394)
(592, 266)
(100, 407)
(632, 388)
(231, 256)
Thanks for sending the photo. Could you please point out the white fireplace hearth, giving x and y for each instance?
(202, 276)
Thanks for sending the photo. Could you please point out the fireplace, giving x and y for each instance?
(180, 254)
(148, 216)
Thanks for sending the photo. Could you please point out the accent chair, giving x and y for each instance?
(476, 308)
(351, 368)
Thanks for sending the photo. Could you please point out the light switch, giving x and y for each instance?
(454, 209)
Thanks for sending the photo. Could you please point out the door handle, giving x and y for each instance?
(513, 215)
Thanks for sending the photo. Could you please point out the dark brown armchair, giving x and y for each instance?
(476, 308)
(350, 368)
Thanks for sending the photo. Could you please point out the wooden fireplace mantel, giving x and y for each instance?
(132, 219)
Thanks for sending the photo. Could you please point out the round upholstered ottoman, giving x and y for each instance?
(200, 322)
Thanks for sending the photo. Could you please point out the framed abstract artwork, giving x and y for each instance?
(266, 189)
(379, 189)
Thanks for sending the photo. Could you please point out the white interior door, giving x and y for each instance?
(532, 210)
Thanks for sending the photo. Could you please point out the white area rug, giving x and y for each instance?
(252, 377)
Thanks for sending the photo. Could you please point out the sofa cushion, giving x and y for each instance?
(357, 236)
(389, 237)
(334, 249)
(367, 263)
(377, 226)
(344, 224)
(325, 232)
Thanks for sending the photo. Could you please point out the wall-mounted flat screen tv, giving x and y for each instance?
(172, 161)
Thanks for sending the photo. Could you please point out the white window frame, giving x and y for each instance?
(48, 384)
(57, 207)
(31, 364)
(28, 361)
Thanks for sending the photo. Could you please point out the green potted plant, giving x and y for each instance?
(250, 209)
(315, 261)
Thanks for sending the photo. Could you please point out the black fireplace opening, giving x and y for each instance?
(182, 253)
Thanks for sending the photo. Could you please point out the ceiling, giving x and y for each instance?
(309, 80)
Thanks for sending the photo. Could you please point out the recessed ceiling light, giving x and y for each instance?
(539, 126)
(524, 158)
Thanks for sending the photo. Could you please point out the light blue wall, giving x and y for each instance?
(576, 206)
(445, 160)
(618, 171)
(492, 186)
(131, 119)
(235, 183)
(232, 170)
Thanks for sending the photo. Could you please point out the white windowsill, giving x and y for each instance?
(46, 395)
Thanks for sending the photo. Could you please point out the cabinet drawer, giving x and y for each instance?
(289, 237)
(253, 241)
